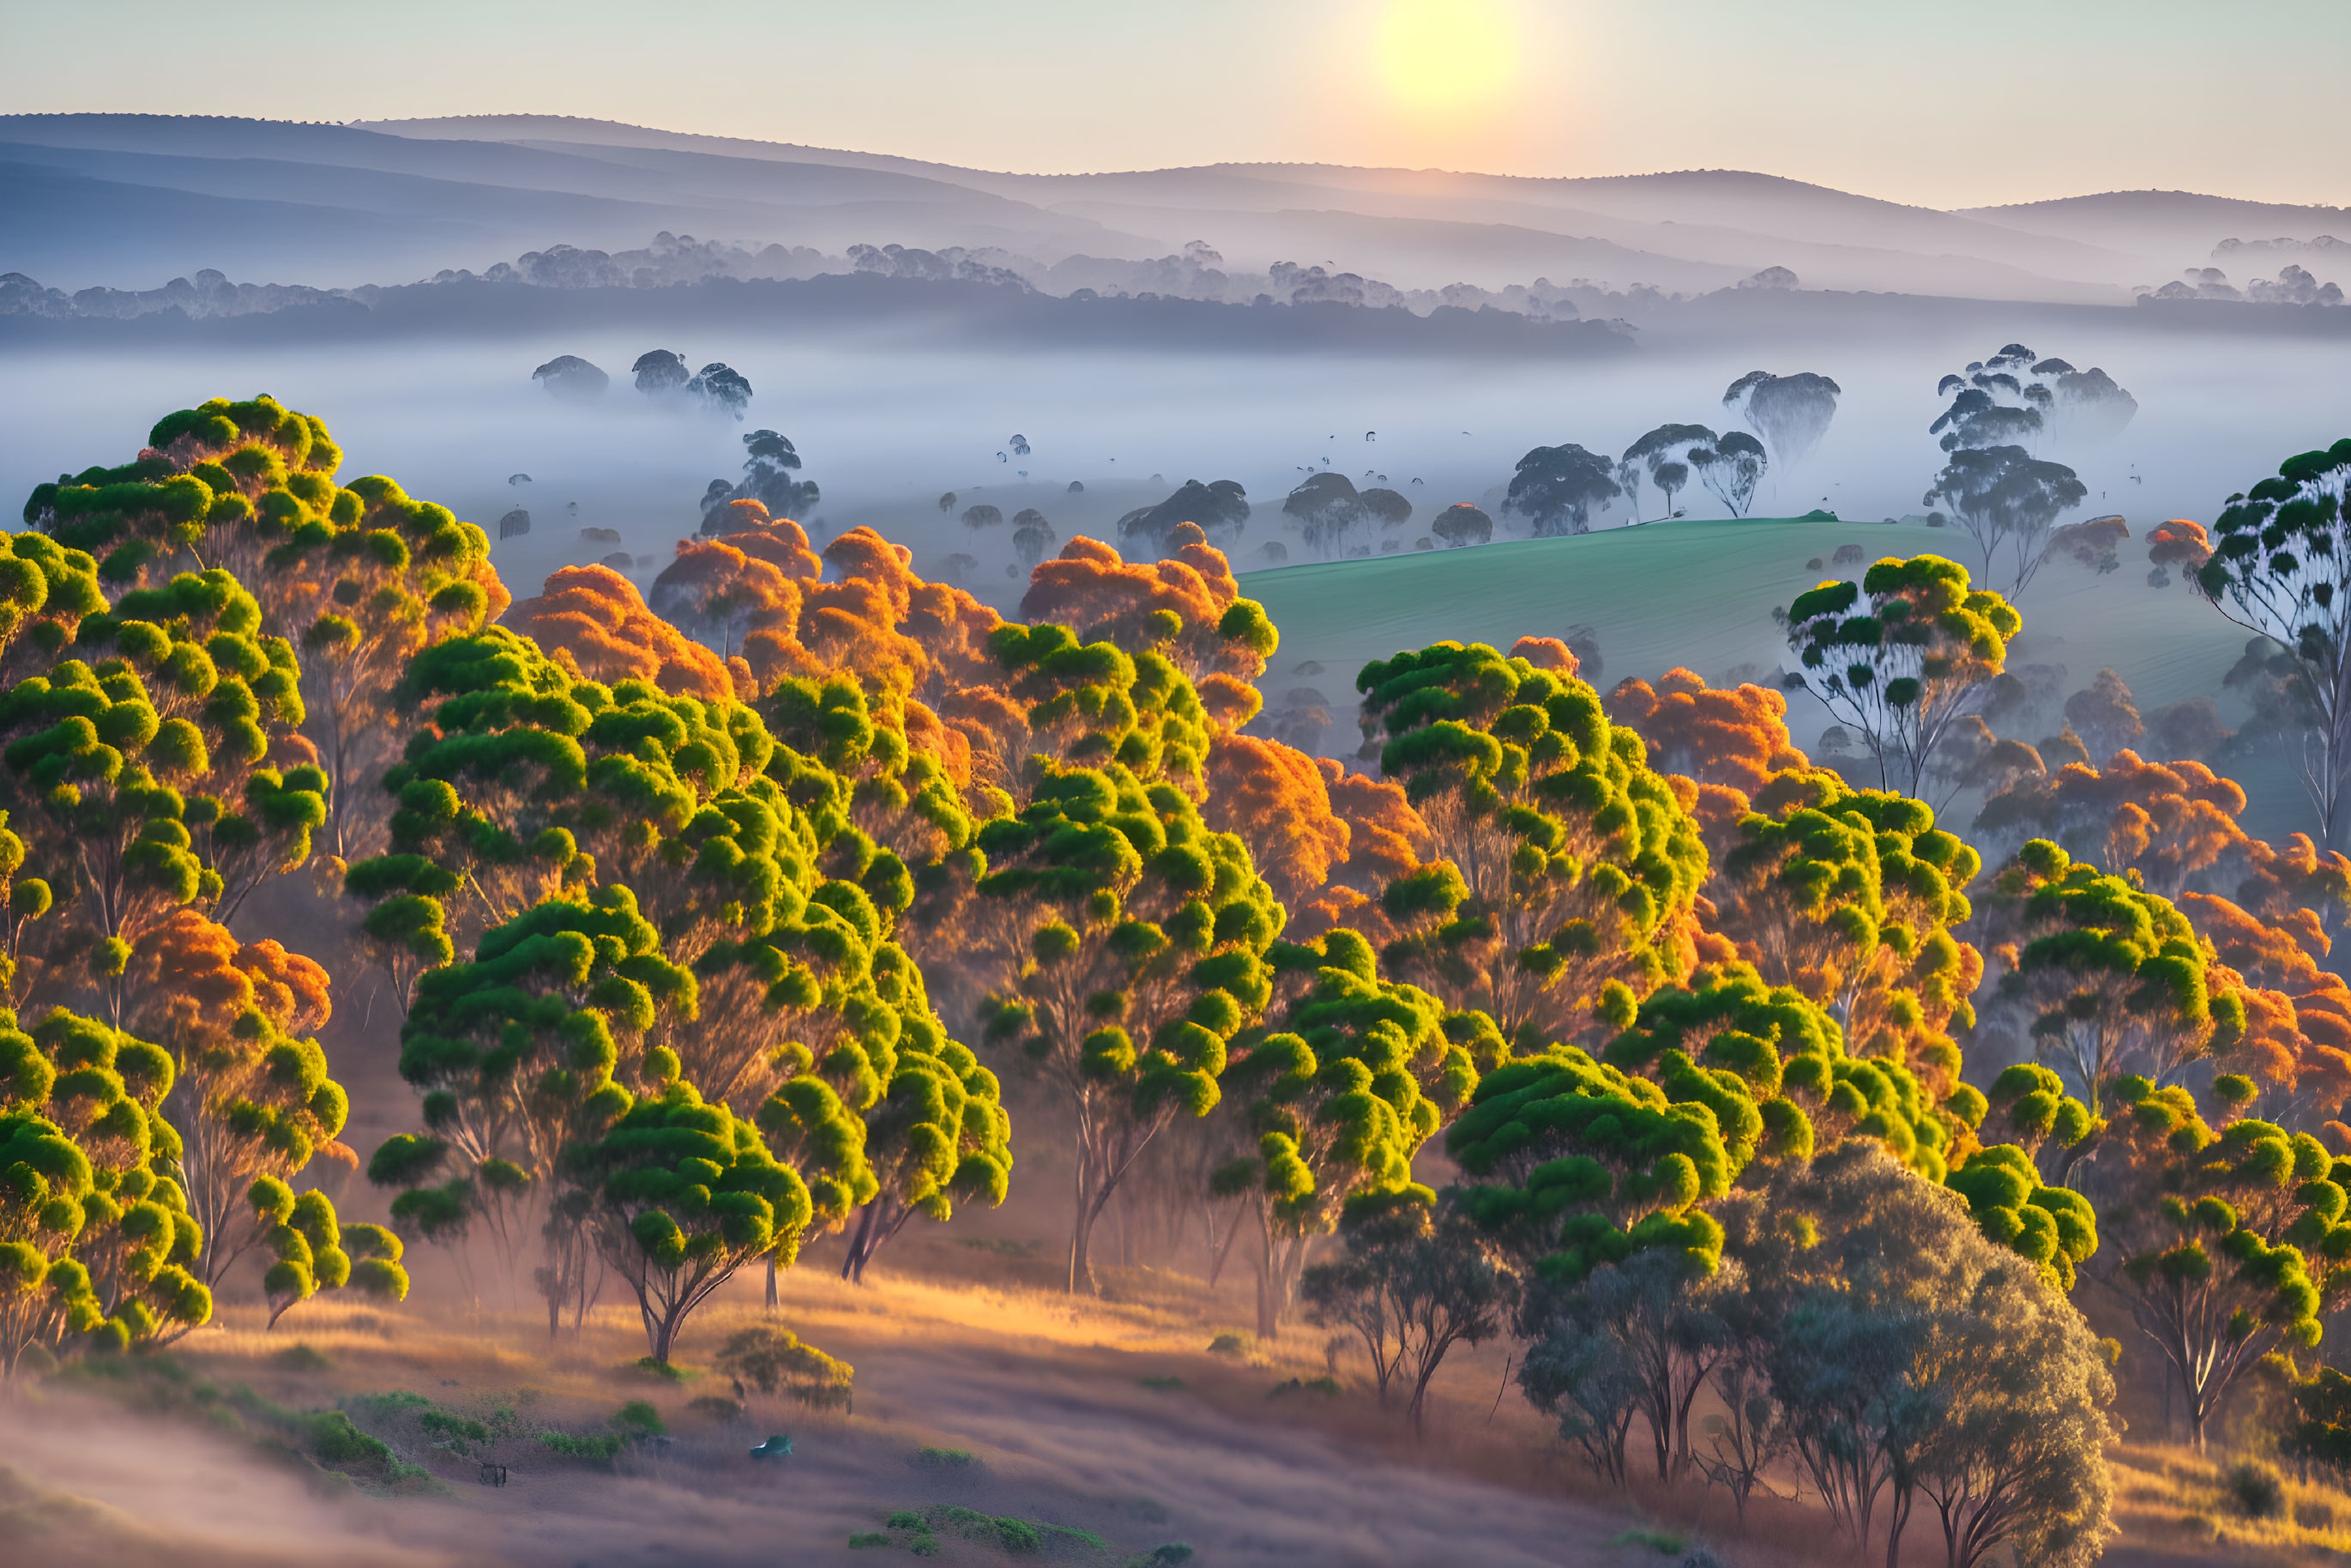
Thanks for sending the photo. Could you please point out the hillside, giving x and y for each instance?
(1701, 594)
(345, 205)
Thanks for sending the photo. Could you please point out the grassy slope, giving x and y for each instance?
(1701, 594)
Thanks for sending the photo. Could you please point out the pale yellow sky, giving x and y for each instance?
(1941, 105)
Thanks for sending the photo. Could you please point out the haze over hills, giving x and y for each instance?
(129, 200)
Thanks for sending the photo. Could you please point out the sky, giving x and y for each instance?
(1938, 105)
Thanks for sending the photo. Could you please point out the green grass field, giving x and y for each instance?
(1701, 594)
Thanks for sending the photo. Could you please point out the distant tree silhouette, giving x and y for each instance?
(1670, 477)
(1462, 524)
(1220, 508)
(1731, 468)
(1556, 488)
(1790, 412)
(660, 372)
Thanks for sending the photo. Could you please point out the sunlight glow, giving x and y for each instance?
(1444, 56)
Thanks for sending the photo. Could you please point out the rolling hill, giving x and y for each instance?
(1699, 594)
(467, 193)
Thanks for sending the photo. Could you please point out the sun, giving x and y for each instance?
(1442, 56)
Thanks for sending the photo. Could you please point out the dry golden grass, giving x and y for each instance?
(2169, 1497)
(1108, 1415)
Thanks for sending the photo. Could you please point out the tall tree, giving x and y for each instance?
(2229, 1244)
(1791, 413)
(2007, 500)
(1907, 667)
(1556, 488)
(2280, 556)
(2115, 978)
(1912, 1358)
(1143, 937)
(1731, 467)
(252, 1100)
(96, 1240)
(1328, 512)
(1414, 1282)
(678, 1196)
(1562, 868)
(1354, 1076)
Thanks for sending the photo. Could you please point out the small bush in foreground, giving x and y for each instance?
(2256, 1489)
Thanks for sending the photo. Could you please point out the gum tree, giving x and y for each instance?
(1901, 657)
(678, 1196)
(1352, 1078)
(1145, 936)
(1559, 883)
(2280, 556)
(2229, 1244)
(2115, 978)
(96, 1242)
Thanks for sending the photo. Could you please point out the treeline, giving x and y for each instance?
(717, 930)
(980, 312)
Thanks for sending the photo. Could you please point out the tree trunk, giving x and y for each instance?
(772, 1301)
(853, 1265)
(1232, 1234)
(1081, 1267)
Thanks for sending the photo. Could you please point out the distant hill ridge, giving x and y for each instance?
(379, 202)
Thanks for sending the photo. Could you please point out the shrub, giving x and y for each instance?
(1228, 1344)
(2256, 1489)
(717, 1406)
(605, 1446)
(339, 1444)
(864, 1539)
(637, 1419)
(661, 1369)
(1326, 1386)
(1161, 1384)
(384, 1407)
(1657, 1540)
(460, 1435)
(301, 1358)
(945, 1460)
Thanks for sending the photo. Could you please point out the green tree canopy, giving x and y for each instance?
(96, 1240)
(2228, 1245)
(1901, 656)
(679, 1195)
(2115, 978)
(1560, 884)
(1145, 937)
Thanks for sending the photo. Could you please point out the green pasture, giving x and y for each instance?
(1701, 594)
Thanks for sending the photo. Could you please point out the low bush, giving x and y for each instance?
(2257, 1490)
(1326, 1386)
(637, 1419)
(1657, 1540)
(603, 1445)
(945, 1460)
